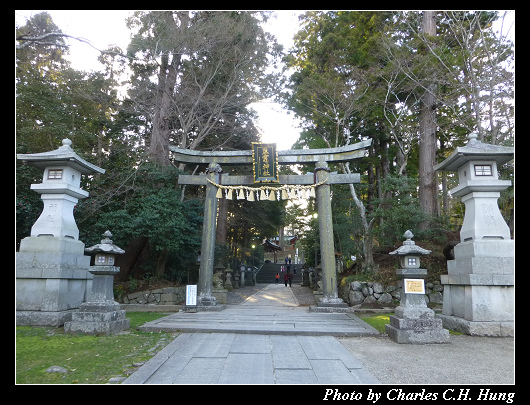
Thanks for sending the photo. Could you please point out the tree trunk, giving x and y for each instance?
(427, 148)
(167, 78)
(161, 263)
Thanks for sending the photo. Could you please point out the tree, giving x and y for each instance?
(196, 75)
(428, 187)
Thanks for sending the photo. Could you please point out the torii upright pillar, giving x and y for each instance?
(205, 297)
(327, 247)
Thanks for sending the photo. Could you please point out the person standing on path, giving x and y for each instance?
(290, 277)
(277, 277)
(286, 278)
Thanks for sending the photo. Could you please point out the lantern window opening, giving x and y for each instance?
(483, 170)
(55, 174)
(411, 261)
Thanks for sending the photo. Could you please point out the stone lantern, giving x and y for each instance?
(479, 286)
(413, 321)
(100, 315)
(218, 290)
(52, 277)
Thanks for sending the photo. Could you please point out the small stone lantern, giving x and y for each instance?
(100, 315)
(413, 321)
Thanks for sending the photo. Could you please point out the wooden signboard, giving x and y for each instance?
(265, 162)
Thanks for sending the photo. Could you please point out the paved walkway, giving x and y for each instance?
(229, 358)
(273, 310)
(267, 339)
(284, 345)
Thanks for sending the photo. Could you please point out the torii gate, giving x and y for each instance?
(212, 179)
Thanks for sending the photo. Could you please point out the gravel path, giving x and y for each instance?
(464, 360)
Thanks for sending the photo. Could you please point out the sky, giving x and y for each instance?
(107, 27)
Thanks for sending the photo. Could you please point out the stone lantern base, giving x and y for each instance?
(479, 288)
(52, 280)
(98, 319)
(100, 315)
(413, 321)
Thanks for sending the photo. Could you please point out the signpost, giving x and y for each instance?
(191, 298)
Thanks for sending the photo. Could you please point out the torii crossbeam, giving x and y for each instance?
(213, 176)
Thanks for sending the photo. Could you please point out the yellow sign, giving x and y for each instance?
(414, 286)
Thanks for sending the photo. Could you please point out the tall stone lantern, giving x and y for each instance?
(413, 321)
(100, 315)
(479, 286)
(52, 277)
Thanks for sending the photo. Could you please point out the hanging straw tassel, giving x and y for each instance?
(262, 195)
(284, 195)
(312, 193)
(250, 196)
(229, 195)
(219, 193)
(241, 195)
(272, 196)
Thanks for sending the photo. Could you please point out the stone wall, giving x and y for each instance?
(160, 296)
(368, 293)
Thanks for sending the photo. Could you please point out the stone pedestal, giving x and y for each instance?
(479, 288)
(413, 321)
(52, 280)
(100, 315)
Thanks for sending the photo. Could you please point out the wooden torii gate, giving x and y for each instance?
(320, 157)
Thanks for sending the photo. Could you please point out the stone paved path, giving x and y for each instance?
(272, 310)
(229, 358)
(267, 339)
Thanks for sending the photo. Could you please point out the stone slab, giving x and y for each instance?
(417, 336)
(203, 358)
(474, 328)
(295, 376)
(288, 353)
(248, 368)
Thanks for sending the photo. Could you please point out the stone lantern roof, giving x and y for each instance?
(476, 150)
(106, 246)
(409, 247)
(64, 155)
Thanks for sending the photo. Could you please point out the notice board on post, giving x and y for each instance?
(191, 297)
(265, 162)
